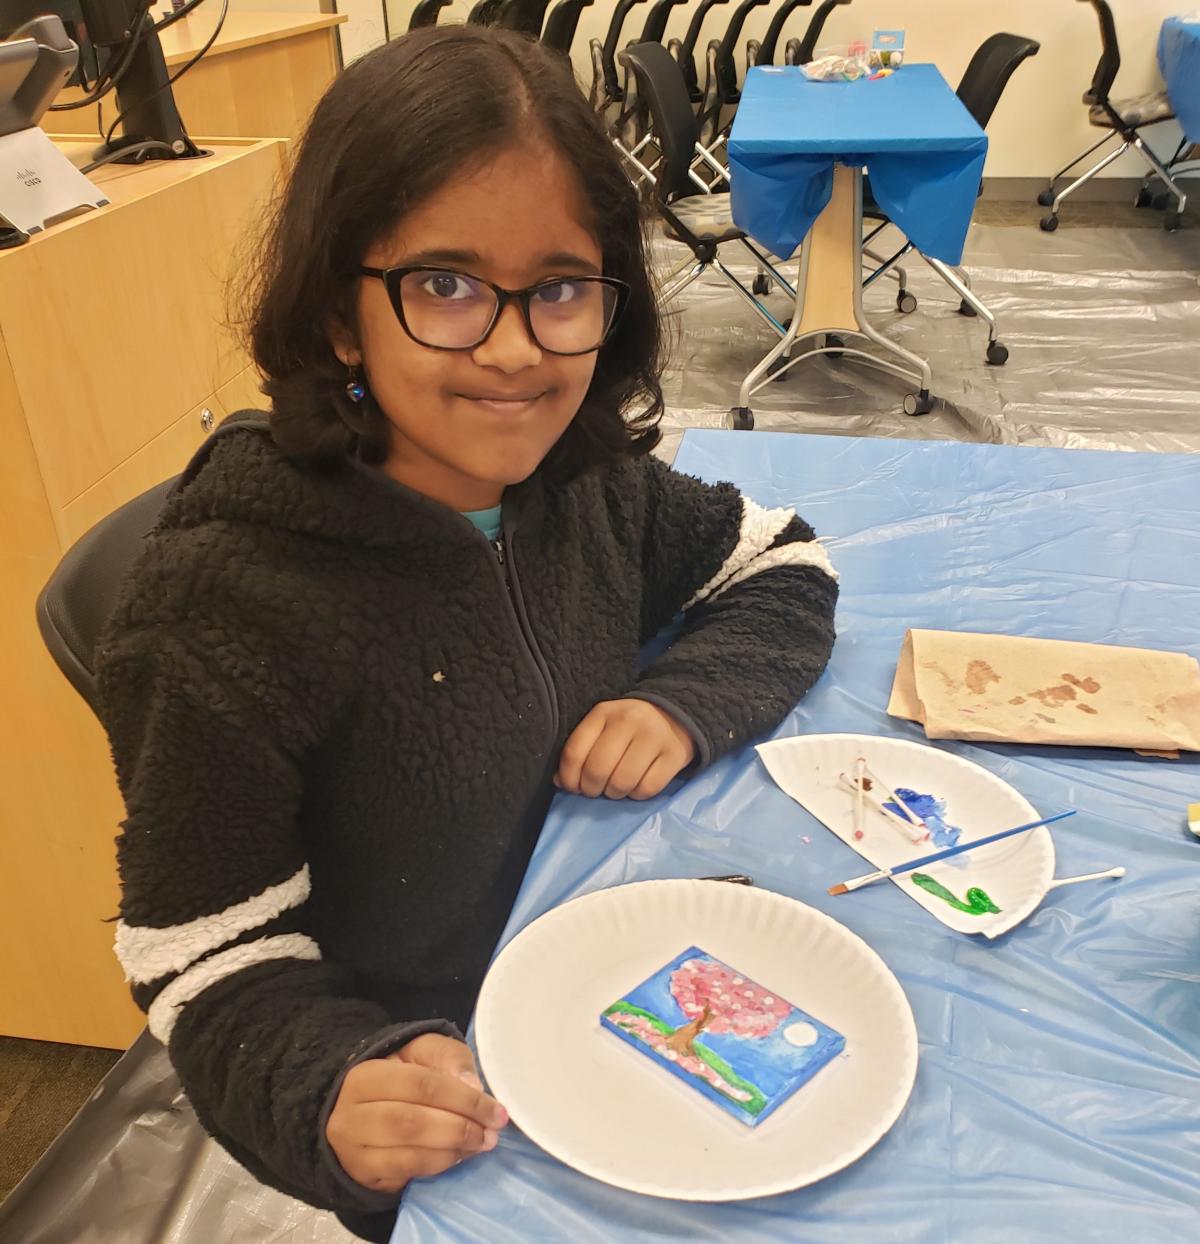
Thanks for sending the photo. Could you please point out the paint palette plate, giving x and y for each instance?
(988, 891)
(582, 1095)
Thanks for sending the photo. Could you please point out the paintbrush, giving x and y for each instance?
(857, 882)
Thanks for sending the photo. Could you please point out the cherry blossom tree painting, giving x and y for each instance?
(735, 1041)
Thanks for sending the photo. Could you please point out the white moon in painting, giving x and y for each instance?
(800, 1034)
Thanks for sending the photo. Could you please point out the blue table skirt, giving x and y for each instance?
(924, 149)
(1179, 60)
(1058, 1094)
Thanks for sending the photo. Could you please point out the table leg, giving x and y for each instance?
(829, 301)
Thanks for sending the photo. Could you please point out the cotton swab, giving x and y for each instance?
(914, 833)
(1111, 872)
(860, 766)
(908, 812)
(857, 882)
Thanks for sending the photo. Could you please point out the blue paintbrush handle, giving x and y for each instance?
(970, 846)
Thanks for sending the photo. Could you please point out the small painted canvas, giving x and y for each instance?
(730, 1038)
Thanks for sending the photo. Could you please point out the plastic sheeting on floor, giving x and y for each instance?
(1103, 325)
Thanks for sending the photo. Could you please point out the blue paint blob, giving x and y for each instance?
(932, 811)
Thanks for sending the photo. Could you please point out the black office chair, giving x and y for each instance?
(525, 16)
(800, 51)
(562, 24)
(606, 86)
(484, 13)
(632, 126)
(995, 61)
(762, 52)
(684, 50)
(721, 87)
(77, 601)
(426, 13)
(1123, 119)
(702, 221)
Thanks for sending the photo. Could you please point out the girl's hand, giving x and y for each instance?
(416, 1113)
(624, 748)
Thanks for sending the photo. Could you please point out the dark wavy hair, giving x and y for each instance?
(391, 130)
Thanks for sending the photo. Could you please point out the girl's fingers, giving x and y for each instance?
(401, 1125)
(656, 778)
(389, 1170)
(577, 749)
(606, 754)
(639, 758)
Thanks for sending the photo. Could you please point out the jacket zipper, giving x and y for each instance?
(506, 565)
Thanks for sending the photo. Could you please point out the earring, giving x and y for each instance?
(355, 389)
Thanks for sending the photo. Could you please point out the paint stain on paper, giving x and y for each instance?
(1086, 708)
(1051, 697)
(979, 675)
(934, 668)
(1090, 685)
(1043, 717)
(977, 902)
(1017, 699)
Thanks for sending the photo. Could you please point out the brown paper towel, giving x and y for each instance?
(961, 685)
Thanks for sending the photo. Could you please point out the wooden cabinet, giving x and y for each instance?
(114, 361)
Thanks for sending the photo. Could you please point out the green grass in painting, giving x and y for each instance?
(758, 1100)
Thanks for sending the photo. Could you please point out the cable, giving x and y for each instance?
(170, 82)
(172, 18)
(106, 81)
(123, 153)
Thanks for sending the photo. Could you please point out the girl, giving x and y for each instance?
(373, 630)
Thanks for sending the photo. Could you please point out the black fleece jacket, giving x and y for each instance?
(335, 710)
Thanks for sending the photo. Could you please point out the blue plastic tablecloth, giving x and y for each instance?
(1179, 60)
(924, 149)
(1058, 1093)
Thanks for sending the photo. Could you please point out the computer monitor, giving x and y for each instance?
(118, 44)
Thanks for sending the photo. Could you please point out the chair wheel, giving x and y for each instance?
(740, 419)
(1143, 198)
(918, 403)
(761, 285)
(834, 341)
(997, 353)
(1049, 223)
(906, 302)
(1046, 198)
(1172, 221)
(965, 308)
(1162, 200)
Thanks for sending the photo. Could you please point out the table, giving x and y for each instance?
(1179, 60)
(260, 79)
(794, 157)
(1058, 1094)
(114, 364)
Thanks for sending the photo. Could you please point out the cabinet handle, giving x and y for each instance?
(206, 419)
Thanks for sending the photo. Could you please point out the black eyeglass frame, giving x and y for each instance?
(391, 278)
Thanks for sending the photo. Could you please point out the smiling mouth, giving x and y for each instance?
(508, 403)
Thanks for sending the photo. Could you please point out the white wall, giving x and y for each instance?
(363, 30)
(1040, 123)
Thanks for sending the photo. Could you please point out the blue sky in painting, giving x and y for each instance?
(772, 1063)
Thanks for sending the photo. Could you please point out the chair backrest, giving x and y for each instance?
(660, 84)
(612, 40)
(525, 16)
(727, 87)
(426, 13)
(770, 41)
(656, 21)
(1110, 55)
(808, 44)
(77, 601)
(688, 54)
(989, 71)
(484, 13)
(562, 24)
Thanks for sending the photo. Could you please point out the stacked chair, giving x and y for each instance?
(1123, 119)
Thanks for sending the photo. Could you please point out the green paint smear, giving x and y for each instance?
(978, 903)
(758, 1101)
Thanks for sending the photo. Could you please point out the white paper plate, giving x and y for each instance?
(1014, 873)
(598, 1105)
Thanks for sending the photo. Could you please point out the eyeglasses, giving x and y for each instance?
(449, 310)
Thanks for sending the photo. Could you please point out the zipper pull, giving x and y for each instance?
(498, 547)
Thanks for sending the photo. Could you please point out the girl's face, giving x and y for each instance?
(467, 423)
